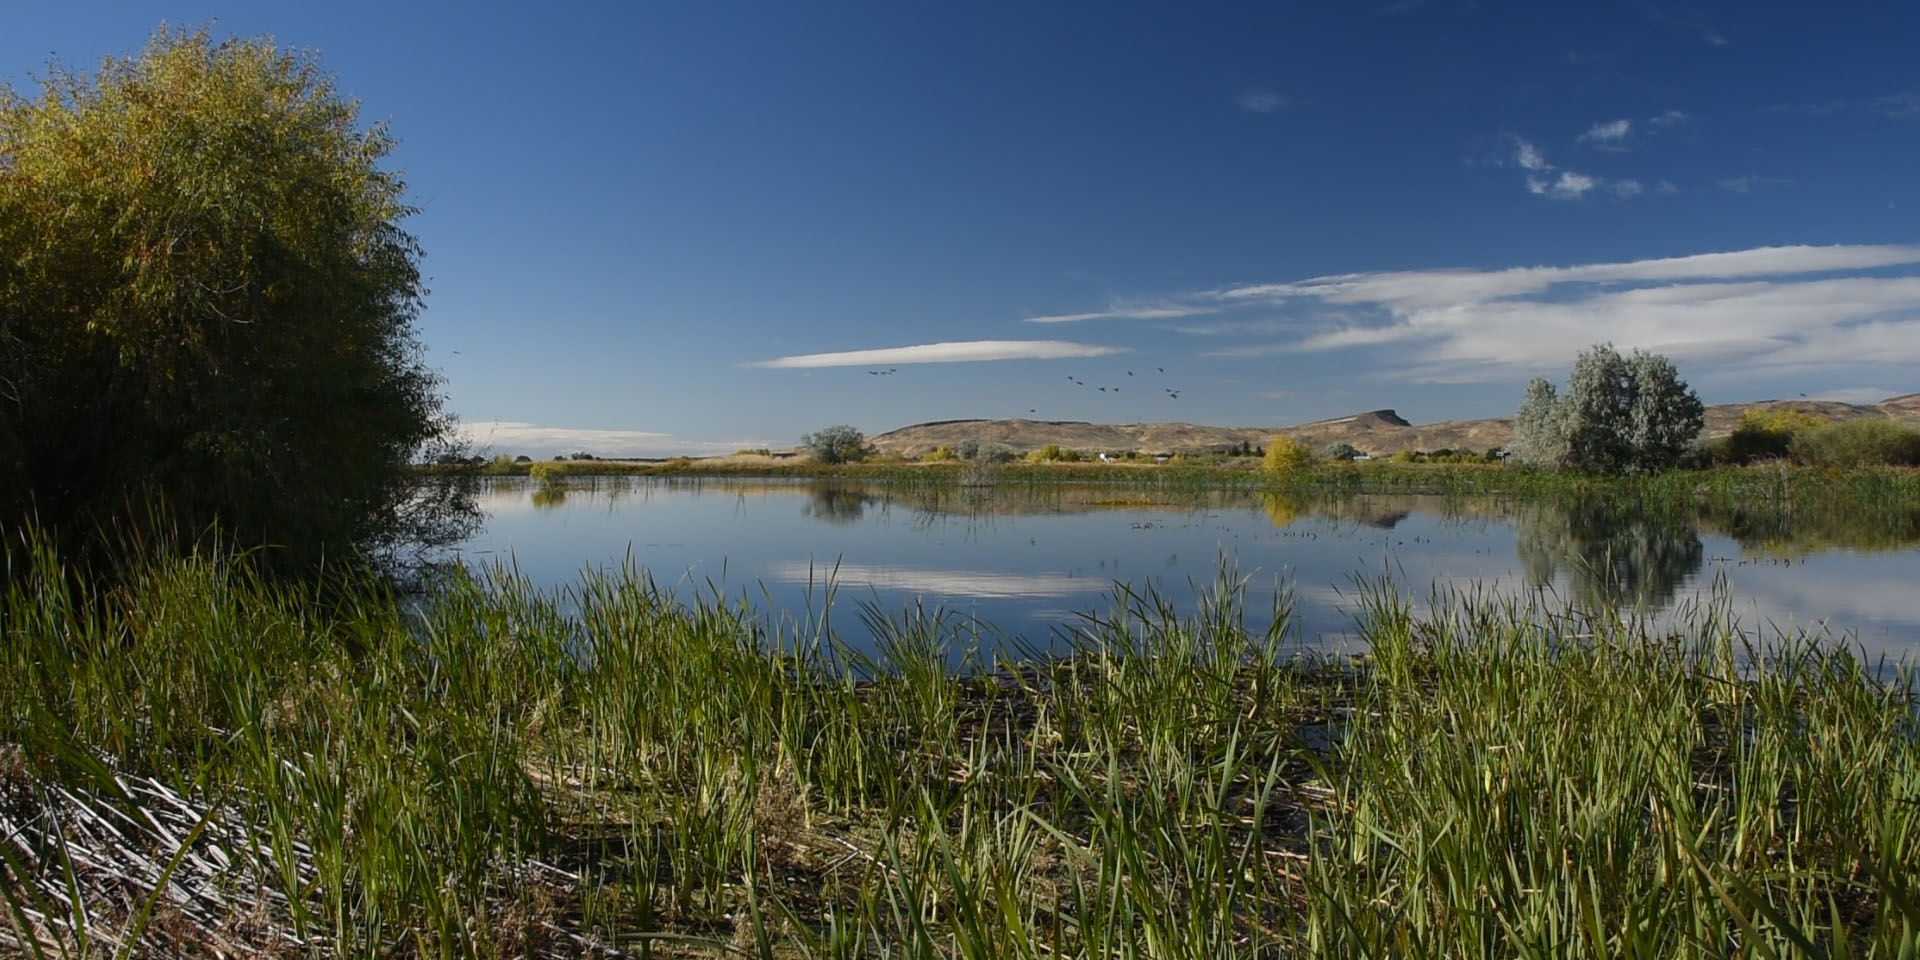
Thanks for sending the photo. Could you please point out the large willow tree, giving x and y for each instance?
(207, 305)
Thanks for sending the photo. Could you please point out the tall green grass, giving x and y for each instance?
(200, 761)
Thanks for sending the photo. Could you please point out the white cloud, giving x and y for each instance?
(1612, 131)
(964, 351)
(1669, 119)
(1764, 309)
(1571, 185)
(1666, 188)
(520, 437)
(1261, 101)
(1126, 312)
(1528, 156)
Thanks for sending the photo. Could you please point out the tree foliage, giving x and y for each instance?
(1766, 434)
(1618, 415)
(1537, 440)
(207, 304)
(1286, 454)
(836, 444)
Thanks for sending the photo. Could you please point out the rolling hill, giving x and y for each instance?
(1377, 432)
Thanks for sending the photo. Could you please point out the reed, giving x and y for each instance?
(198, 761)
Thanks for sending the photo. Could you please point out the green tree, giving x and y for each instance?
(207, 302)
(1619, 414)
(836, 444)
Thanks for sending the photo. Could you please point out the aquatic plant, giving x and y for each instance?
(196, 759)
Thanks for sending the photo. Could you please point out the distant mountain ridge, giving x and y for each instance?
(1377, 432)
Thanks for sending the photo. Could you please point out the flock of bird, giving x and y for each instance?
(1172, 394)
(1169, 391)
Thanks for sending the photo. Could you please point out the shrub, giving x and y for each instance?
(523, 458)
(1054, 452)
(968, 449)
(1766, 434)
(995, 453)
(1285, 454)
(940, 455)
(1339, 451)
(1858, 443)
(1406, 456)
(836, 444)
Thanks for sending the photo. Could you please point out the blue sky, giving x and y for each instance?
(661, 228)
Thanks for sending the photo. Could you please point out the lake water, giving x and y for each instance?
(1031, 564)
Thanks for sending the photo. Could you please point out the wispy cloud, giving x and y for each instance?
(1768, 308)
(535, 440)
(1866, 396)
(1669, 119)
(1748, 183)
(1120, 311)
(1898, 105)
(1261, 101)
(1227, 328)
(1612, 132)
(962, 351)
(1529, 156)
(1570, 184)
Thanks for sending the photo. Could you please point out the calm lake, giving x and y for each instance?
(1029, 564)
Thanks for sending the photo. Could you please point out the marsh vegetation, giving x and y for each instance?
(204, 761)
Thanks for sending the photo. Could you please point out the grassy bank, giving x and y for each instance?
(200, 761)
(1770, 482)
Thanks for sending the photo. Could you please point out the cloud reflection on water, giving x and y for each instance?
(941, 583)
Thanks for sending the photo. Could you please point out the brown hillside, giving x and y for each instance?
(1377, 432)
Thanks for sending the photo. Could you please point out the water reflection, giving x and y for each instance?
(838, 503)
(1026, 559)
(934, 582)
(1607, 559)
(1770, 530)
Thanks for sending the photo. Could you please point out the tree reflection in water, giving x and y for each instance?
(1610, 558)
(837, 504)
